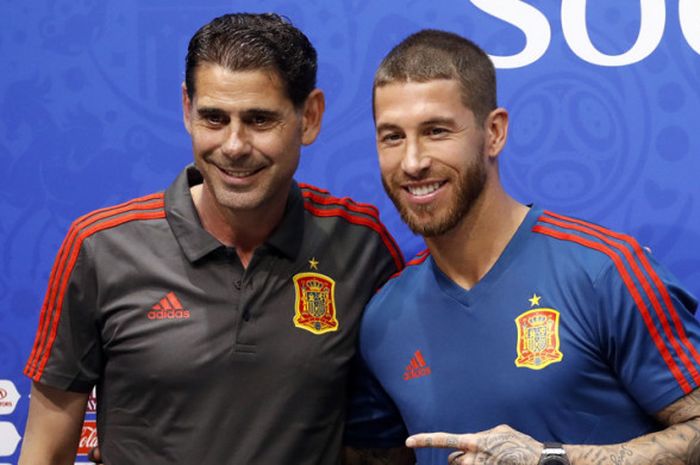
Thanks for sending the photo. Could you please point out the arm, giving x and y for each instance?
(678, 444)
(53, 426)
(392, 456)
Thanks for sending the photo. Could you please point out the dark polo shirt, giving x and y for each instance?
(197, 359)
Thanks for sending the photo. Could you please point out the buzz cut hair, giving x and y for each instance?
(432, 54)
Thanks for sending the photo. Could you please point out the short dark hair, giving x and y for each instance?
(246, 41)
(432, 54)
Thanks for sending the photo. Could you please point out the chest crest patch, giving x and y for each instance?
(314, 306)
(538, 338)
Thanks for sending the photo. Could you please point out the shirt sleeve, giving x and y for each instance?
(650, 335)
(67, 351)
(373, 420)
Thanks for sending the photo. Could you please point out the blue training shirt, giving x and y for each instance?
(576, 335)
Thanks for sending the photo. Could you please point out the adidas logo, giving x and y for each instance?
(169, 308)
(417, 367)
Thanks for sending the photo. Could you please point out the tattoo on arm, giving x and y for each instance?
(678, 444)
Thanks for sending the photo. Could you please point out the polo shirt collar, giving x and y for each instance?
(196, 242)
(288, 235)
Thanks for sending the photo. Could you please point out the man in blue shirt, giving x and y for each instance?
(517, 326)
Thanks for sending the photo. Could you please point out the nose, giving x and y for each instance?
(415, 161)
(237, 141)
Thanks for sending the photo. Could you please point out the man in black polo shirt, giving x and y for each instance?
(218, 319)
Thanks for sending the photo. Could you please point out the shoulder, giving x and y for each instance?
(356, 218)
(320, 203)
(586, 244)
(401, 284)
(148, 207)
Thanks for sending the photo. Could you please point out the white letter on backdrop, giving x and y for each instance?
(652, 23)
(528, 19)
(689, 13)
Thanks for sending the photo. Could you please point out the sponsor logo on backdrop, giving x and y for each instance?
(88, 437)
(8, 397)
(538, 33)
(9, 438)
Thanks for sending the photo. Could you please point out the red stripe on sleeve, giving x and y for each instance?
(58, 280)
(641, 256)
(602, 233)
(57, 274)
(644, 311)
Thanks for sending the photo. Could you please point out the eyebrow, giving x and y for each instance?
(261, 112)
(205, 111)
(387, 127)
(209, 111)
(431, 122)
(438, 121)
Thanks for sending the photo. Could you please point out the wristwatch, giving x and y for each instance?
(553, 454)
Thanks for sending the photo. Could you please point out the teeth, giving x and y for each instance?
(239, 174)
(420, 191)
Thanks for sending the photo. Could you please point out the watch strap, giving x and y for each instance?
(553, 453)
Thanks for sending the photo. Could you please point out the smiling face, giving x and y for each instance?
(431, 153)
(247, 136)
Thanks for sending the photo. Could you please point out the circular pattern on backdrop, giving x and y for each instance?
(578, 142)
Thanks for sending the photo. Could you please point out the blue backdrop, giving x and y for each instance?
(603, 96)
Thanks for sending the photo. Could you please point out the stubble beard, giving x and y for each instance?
(426, 220)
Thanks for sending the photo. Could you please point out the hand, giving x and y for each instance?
(95, 456)
(501, 445)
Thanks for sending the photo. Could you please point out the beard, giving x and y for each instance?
(430, 220)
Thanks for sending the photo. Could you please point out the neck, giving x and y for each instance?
(469, 250)
(245, 230)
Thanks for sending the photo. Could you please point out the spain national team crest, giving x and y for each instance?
(315, 303)
(538, 338)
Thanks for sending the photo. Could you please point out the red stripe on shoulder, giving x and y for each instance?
(371, 223)
(147, 202)
(83, 227)
(417, 260)
(303, 186)
(120, 206)
(324, 198)
(605, 235)
(656, 280)
(355, 207)
(631, 287)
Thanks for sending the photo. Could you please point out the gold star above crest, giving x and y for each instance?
(313, 263)
(534, 300)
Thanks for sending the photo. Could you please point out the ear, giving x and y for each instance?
(186, 109)
(496, 130)
(312, 115)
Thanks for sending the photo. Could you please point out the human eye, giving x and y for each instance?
(436, 131)
(214, 118)
(390, 137)
(261, 120)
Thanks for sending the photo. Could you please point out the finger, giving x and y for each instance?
(94, 455)
(453, 458)
(441, 440)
